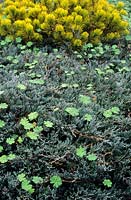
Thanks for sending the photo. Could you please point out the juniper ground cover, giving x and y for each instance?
(65, 120)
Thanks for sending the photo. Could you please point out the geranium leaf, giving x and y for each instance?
(21, 86)
(56, 181)
(27, 186)
(33, 115)
(3, 105)
(21, 177)
(24, 121)
(115, 110)
(84, 99)
(32, 135)
(11, 156)
(88, 117)
(48, 124)
(10, 141)
(107, 182)
(3, 159)
(72, 111)
(107, 113)
(91, 157)
(2, 123)
(37, 179)
(81, 151)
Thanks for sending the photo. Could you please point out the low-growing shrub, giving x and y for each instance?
(64, 131)
(73, 22)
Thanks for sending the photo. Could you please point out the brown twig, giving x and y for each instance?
(76, 132)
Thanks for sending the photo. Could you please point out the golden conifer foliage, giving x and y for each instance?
(74, 22)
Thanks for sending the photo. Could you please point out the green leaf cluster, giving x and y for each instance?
(81, 152)
(6, 158)
(111, 112)
(32, 130)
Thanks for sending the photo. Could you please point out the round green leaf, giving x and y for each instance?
(20, 140)
(3, 105)
(107, 182)
(10, 141)
(84, 99)
(115, 110)
(21, 86)
(11, 156)
(27, 186)
(3, 159)
(33, 115)
(92, 157)
(21, 177)
(32, 135)
(81, 151)
(88, 117)
(37, 179)
(56, 181)
(48, 124)
(74, 112)
(2, 123)
(107, 113)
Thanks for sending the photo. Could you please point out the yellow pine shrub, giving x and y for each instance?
(74, 22)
